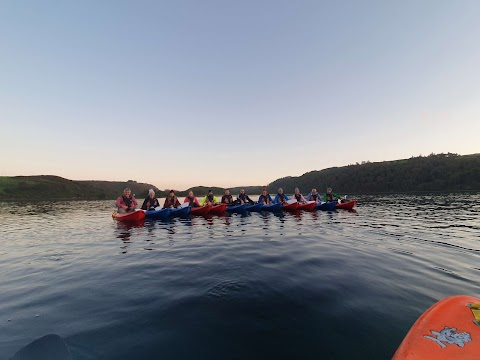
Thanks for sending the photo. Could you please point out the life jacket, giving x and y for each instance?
(210, 198)
(281, 197)
(265, 199)
(314, 197)
(191, 201)
(172, 201)
(151, 202)
(227, 199)
(242, 196)
(127, 201)
(330, 197)
(298, 197)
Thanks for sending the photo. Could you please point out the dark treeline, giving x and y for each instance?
(441, 172)
(436, 172)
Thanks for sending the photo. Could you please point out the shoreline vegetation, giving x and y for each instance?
(434, 173)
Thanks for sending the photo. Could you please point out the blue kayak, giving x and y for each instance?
(256, 207)
(180, 212)
(272, 207)
(237, 208)
(327, 206)
(158, 214)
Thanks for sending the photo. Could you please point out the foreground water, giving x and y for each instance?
(323, 285)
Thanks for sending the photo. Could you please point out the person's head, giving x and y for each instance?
(227, 192)
(242, 191)
(172, 193)
(297, 191)
(314, 191)
(280, 191)
(190, 193)
(264, 191)
(329, 190)
(127, 192)
(151, 193)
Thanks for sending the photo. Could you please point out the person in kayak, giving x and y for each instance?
(299, 197)
(330, 196)
(126, 202)
(150, 201)
(243, 198)
(280, 197)
(191, 199)
(265, 198)
(210, 199)
(314, 196)
(227, 198)
(171, 201)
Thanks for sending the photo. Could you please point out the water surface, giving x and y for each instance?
(322, 285)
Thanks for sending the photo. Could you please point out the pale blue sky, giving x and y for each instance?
(182, 93)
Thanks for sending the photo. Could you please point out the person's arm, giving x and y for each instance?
(303, 199)
(336, 196)
(275, 200)
(215, 200)
(134, 203)
(165, 204)
(144, 205)
(195, 200)
(286, 198)
(324, 197)
(270, 198)
(119, 202)
(204, 201)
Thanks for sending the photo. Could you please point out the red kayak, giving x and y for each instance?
(200, 211)
(290, 207)
(347, 205)
(310, 206)
(130, 216)
(218, 209)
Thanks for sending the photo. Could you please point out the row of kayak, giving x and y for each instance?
(222, 208)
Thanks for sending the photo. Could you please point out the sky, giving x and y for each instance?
(233, 93)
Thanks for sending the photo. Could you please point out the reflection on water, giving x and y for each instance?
(248, 286)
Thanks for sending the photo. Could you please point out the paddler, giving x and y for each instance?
(280, 197)
(299, 197)
(227, 198)
(171, 201)
(210, 199)
(265, 198)
(150, 202)
(314, 196)
(191, 199)
(243, 198)
(126, 202)
(330, 196)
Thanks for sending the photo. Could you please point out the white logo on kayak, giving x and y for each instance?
(449, 336)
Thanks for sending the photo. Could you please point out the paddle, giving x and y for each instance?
(291, 201)
(184, 205)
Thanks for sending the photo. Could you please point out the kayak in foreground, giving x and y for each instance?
(218, 209)
(272, 207)
(132, 216)
(309, 206)
(200, 211)
(290, 207)
(450, 329)
(161, 214)
(180, 212)
(327, 206)
(237, 208)
(255, 207)
(346, 205)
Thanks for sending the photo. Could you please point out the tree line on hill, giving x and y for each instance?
(436, 172)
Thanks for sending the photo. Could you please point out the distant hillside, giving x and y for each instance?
(54, 187)
(442, 172)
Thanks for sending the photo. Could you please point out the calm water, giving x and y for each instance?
(326, 285)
